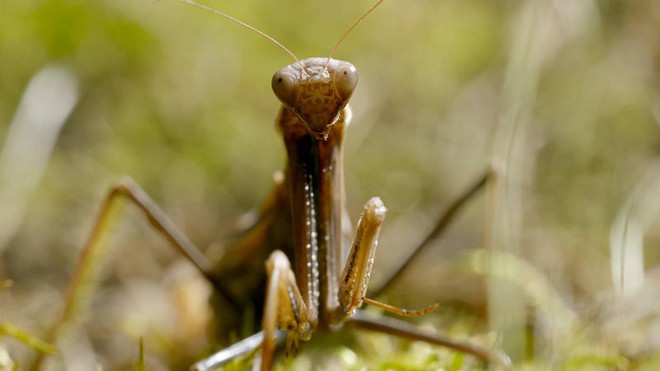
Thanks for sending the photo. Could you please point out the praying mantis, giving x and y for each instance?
(295, 257)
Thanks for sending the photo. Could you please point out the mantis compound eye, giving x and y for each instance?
(346, 79)
(285, 87)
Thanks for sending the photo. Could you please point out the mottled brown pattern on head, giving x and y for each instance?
(316, 91)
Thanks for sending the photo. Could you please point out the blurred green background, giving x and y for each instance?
(562, 96)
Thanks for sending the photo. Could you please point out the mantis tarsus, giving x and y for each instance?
(312, 282)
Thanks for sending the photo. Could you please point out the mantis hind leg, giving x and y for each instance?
(127, 190)
(443, 221)
(406, 330)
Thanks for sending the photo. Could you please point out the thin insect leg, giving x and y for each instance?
(444, 220)
(129, 190)
(406, 330)
(234, 351)
(401, 311)
(168, 230)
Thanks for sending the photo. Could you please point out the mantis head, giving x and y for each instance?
(316, 90)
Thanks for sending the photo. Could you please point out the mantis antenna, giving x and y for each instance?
(238, 21)
(357, 21)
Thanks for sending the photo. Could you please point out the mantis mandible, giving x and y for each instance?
(313, 281)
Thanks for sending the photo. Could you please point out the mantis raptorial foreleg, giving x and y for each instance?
(284, 308)
(357, 270)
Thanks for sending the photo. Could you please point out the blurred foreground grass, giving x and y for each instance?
(563, 96)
